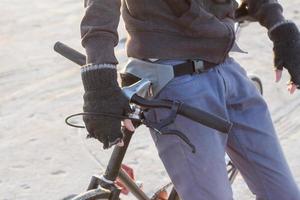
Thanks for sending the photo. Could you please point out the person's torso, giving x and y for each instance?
(191, 17)
(199, 28)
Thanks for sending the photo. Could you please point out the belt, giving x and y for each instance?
(192, 66)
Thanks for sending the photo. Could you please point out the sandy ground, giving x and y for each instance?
(42, 158)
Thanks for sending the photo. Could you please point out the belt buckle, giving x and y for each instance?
(199, 66)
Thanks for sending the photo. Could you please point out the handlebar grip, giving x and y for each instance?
(70, 53)
(195, 114)
(205, 118)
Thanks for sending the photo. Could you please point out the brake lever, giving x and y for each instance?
(162, 126)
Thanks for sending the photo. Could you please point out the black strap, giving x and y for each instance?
(189, 68)
(184, 68)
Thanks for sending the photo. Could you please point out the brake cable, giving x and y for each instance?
(100, 114)
(157, 127)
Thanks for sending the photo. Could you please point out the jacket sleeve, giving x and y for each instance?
(266, 12)
(99, 30)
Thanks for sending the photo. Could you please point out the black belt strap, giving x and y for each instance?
(191, 67)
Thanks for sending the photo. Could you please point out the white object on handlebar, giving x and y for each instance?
(140, 88)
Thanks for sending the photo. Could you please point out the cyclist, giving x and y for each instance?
(183, 33)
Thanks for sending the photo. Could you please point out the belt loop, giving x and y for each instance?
(198, 66)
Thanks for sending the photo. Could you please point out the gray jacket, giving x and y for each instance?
(168, 29)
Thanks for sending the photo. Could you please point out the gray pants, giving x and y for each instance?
(252, 143)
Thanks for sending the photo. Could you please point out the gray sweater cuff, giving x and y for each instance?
(96, 77)
(284, 32)
(279, 24)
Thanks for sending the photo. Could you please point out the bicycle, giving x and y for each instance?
(104, 187)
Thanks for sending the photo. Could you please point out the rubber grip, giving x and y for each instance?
(205, 118)
(70, 53)
(195, 114)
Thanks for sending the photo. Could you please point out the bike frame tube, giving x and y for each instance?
(114, 169)
(131, 186)
(117, 156)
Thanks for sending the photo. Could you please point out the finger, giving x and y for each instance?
(120, 143)
(128, 125)
(163, 195)
(289, 86)
(278, 75)
(292, 88)
(115, 142)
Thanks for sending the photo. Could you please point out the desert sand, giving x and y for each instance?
(41, 157)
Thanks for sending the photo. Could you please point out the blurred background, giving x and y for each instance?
(41, 157)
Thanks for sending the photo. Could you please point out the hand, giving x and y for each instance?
(103, 95)
(286, 40)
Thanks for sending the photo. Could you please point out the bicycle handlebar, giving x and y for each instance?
(188, 111)
(185, 110)
(69, 53)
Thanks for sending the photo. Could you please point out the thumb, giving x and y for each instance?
(128, 125)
